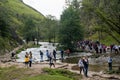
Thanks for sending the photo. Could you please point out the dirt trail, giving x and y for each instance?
(37, 68)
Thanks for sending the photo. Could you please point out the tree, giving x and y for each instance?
(71, 30)
(50, 27)
(103, 15)
(29, 31)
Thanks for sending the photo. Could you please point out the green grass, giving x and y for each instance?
(15, 13)
(13, 73)
(62, 72)
(10, 73)
(21, 8)
(48, 77)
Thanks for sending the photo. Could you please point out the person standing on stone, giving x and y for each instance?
(26, 60)
(30, 59)
(54, 54)
(86, 64)
(48, 55)
(41, 56)
(62, 52)
(110, 63)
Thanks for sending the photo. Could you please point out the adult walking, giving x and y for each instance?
(81, 65)
(62, 52)
(41, 56)
(110, 63)
(48, 55)
(51, 60)
(86, 64)
(54, 54)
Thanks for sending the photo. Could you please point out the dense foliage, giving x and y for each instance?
(102, 17)
(81, 19)
(71, 30)
(17, 22)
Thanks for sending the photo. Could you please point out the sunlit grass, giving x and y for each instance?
(18, 6)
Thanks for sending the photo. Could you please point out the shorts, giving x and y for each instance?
(26, 62)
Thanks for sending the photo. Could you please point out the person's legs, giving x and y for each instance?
(81, 68)
(41, 58)
(86, 71)
(26, 64)
(62, 57)
(110, 66)
(30, 62)
(53, 64)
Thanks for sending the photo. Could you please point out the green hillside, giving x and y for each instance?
(15, 17)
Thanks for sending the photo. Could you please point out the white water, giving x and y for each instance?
(36, 52)
(45, 46)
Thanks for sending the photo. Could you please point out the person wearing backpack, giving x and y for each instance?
(81, 65)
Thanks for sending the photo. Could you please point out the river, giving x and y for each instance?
(45, 46)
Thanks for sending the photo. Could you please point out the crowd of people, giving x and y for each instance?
(96, 46)
(51, 57)
(83, 62)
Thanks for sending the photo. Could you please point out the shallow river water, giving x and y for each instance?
(45, 46)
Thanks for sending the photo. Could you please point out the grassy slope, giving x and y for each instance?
(18, 7)
(20, 12)
(16, 15)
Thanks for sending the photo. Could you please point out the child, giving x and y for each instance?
(26, 61)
